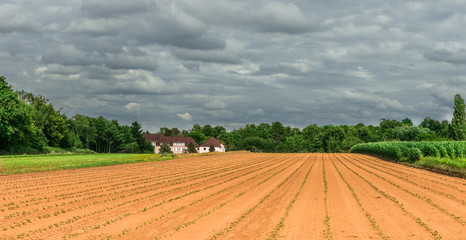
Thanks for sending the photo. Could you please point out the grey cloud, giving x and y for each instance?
(211, 56)
(98, 27)
(192, 66)
(236, 62)
(284, 18)
(142, 23)
(201, 43)
(270, 16)
(13, 47)
(70, 56)
(444, 55)
(107, 9)
(284, 68)
(13, 18)
(130, 62)
(215, 104)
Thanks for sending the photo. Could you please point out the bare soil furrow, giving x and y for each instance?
(443, 187)
(344, 209)
(374, 183)
(107, 197)
(254, 225)
(444, 205)
(306, 218)
(420, 172)
(140, 223)
(236, 196)
(123, 206)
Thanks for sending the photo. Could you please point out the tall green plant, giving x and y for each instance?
(191, 148)
(165, 149)
(458, 121)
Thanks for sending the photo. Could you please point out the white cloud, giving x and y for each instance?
(133, 107)
(185, 116)
(361, 72)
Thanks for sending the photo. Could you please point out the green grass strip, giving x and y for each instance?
(50, 162)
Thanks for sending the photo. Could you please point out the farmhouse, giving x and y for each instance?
(176, 144)
(219, 147)
(180, 144)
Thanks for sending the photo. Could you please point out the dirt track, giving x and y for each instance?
(236, 196)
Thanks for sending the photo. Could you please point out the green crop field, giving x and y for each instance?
(49, 162)
(447, 155)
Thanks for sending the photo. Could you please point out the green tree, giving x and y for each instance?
(198, 136)
(431, 124)
(165, 131)
(16, 125)
(295, 143)
(411, 133)
(136, 132)
(84, 129)
(52, 123)
(211, 148)
(407, 121)
(458, 120)
(165, 149)
(191, 148)
(316, 143)
(386, 127)
(278, 132)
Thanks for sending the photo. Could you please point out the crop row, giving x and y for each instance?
(161, 193)
(420, 196)
(413, 151)
(255, 181)
(123, 182)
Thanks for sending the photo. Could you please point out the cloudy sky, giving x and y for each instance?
(178, 62)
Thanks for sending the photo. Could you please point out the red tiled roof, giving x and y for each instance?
(211, 141)
(161, 139)
(151, 137)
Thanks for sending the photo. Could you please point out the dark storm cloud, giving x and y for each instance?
(192, 66)
(444, 55)
(271, 16)
(175, 63)
(109, 9)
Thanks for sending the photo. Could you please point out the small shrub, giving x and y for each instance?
(413, 154)
(165, 149)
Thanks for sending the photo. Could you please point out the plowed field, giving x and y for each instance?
(236, 196)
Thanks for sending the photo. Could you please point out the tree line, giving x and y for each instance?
(276, 137)
(30, 123)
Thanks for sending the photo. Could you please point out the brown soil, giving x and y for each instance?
(236, 196)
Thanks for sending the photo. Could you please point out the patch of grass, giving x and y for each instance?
(49, 162)
(457, 165)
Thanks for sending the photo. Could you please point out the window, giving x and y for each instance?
(205, 148)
